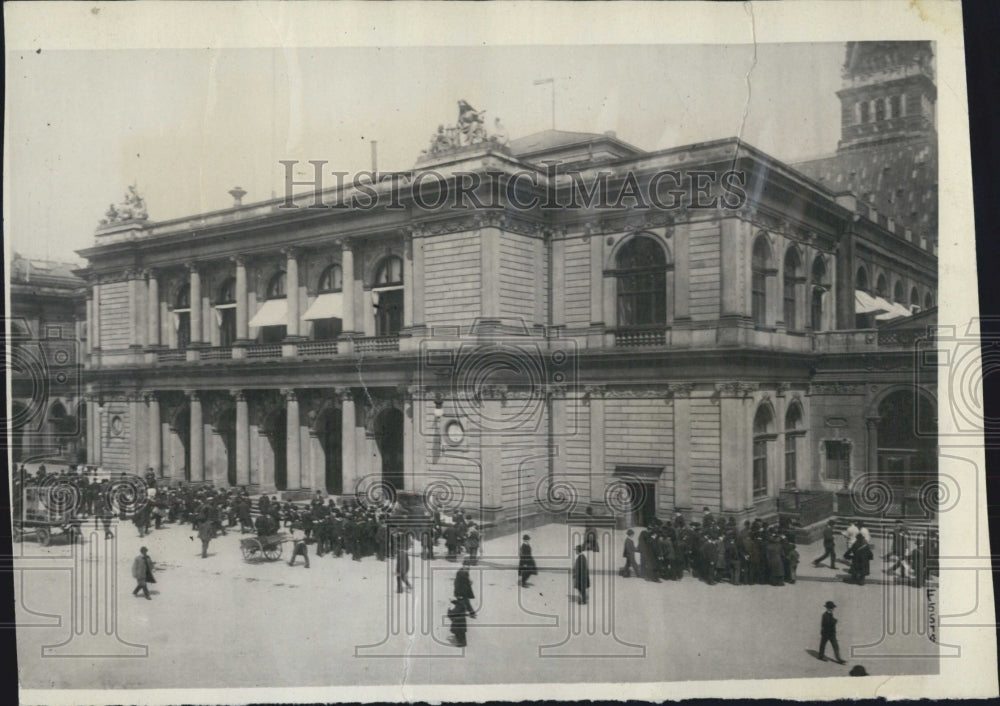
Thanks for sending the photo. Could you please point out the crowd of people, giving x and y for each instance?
(712, 550)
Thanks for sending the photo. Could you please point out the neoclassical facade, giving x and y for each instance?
(742, 349)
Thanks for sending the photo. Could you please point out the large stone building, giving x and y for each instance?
(745, 344)
(46, 332)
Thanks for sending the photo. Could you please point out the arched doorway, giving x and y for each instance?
(276, 429)
(181, 426)
(907, 439)
(226, 427)
(328, 431)
(389, 438)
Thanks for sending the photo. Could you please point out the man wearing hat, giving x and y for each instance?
(526, 567)
(828, 633)
(828, 547)
(629, 554)
(142, 572)
(581, 574)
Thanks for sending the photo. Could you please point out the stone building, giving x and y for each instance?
(46, 332)
(552, 343)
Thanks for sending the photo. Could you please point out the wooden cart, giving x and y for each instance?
(42, 513)
(267, 547)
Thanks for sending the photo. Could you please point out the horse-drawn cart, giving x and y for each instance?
(44, 511)
(266, 547)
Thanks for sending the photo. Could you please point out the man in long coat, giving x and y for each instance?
(581, 574)
(463, 587)
(206, 533)
(526, 567)
(629, 554)
(142, 572)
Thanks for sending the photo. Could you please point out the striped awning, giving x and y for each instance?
(327, 306)
(274, 312)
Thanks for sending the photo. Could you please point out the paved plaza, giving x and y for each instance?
(223, 622)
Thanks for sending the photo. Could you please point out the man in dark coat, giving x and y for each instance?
(206, 533)
(402, 568)
(463, 587)
(526, 567)
(142, 572)
(451, 542)
(629, 554)
(459, 625)
(650, 567)
(775, 561)
(828, 633)
(581, 574)
(860, 556)
(299, 549)
(829, 549)
(472, 542)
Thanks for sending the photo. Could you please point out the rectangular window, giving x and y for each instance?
(758, 298)
(53, 331)
(790, 323)
(790, 460)
(759, 469)
(838, 461)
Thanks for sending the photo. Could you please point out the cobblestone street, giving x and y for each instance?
(222, 622)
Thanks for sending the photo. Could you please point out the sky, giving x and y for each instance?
(186, 126)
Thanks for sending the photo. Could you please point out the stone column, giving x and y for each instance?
(293, 440)
(416, 283)
(136, 290)
(598, 473)
(95, 328)
(88, 344)
(196, 326)
(93, 438)
(155, 434)
(736, 476)
(680, 294)
(197, 438)
(407, 280)
(152, 308)
(489, 244)
(492, 463)
(242, 438)
(349, 330)
(682, 447)
(242, 313)
(292, 291)
(871, 442)
(348, 438)
(557, 287)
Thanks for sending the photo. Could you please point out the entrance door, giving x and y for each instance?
(227, 430)
(329, 432)
(389, 437)
(643, 496)
(277, 429)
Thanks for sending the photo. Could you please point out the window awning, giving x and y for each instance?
(327, 306)
(274, 312)
(867, 304)
(897, 311)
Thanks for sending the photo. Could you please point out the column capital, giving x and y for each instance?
(150, 273)
(593, 391)
(291, 251)
(872, 421)
(680, 389)
(150, 397)
(735, 389)
(349, 244)
(193, 267)
(344, 394)
(239, 395)
(192, 395)
(289, 394)
(238, 260)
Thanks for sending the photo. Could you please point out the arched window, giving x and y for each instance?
(276, 287)
(914, 297)
(793, 433)
(792, 278)
(389, 272)
(641, 275)
(861, 279)
(225, 312)
(820, 286)
(881, 288)
(928, 301)
(387, 291)
(897, 293)
(182, 315)
(759, 269)
(763, 436)
(332, 279)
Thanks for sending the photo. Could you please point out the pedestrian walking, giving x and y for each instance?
(472, 542)
(860, 556)
(526, 567)
(142, 572)
(463, 587)
(459, 625)
(402, 568)
(629, 554)
(581, 574)
(829, 548)
(206, 533)
(850, 534)
(299, 550)
(828, 633)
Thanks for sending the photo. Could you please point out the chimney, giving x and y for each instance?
(237, 193)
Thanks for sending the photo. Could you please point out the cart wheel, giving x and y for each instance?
(44, 536)
(250, 549)
(17, 534)
(273, 552)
